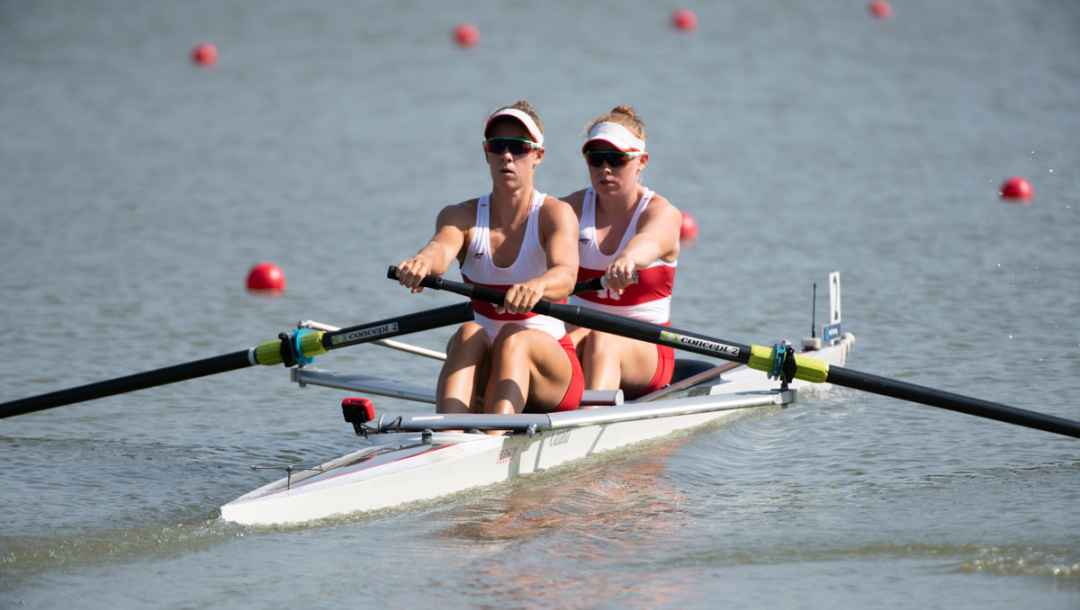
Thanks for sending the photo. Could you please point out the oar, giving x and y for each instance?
(770, 360)
(300, 347)
(597, 284)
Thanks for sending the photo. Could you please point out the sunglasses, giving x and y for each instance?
(517, 146)
(613, 158)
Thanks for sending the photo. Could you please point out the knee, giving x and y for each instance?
(469, 339)
(467, 334)
(599, 344)
(511, 341)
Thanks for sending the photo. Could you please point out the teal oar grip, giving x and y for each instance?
(806, 368)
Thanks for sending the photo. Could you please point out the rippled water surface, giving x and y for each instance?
(136, 190)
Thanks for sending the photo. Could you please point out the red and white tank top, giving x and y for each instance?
(531, 263)
(649, 299)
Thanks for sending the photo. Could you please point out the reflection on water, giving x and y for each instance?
(549, 537)
(613, 501)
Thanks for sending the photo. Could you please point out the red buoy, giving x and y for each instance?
(684, 20)
(204, 54)
(880, 9)
(1017, 189)
(466, 35)
(689, 230)
(266, 276)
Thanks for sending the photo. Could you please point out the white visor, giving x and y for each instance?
(525, 120)
(616, 135)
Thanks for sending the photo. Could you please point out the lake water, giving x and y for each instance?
(136, 190)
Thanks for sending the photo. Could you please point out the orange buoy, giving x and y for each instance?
(684, 20)
(880, 9)
(266, 276)
(204, 54)
(466, 35)
(689, 230)
(1017, 189)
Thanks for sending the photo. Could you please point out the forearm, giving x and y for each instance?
(558, 282)
(436, 256)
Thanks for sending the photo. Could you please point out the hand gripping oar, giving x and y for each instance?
(771, 360)
(300, 347)
(597, 284)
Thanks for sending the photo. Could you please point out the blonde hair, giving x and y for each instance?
(525, 107)
(621, 115)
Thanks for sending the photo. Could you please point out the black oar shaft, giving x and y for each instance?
(816, 370)
(401, 325)
(131, 383)
(267, 354)
(954, 402)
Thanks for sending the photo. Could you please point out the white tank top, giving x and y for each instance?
(649, 299)
(479, 268)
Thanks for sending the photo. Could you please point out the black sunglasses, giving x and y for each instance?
(517, 146)
(613, 158)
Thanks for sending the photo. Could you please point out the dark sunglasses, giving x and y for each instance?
(517, 146)
(613, 158)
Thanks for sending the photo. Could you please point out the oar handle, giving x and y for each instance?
(472, 291)
(490, 295)
(597, 284)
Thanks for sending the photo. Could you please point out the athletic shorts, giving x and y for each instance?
(665, 368)
(572, 399)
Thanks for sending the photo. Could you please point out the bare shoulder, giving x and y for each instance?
(557, 214)
(576, 200)
(461, 215)
(660, 209)
(555, 208)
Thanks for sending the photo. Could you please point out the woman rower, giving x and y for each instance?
(521, 241)
(625, 227)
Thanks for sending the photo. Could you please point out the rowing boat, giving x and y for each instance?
(409, 458)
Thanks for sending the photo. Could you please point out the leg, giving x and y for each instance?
(611, 362)
(464, 372)
(527, 367)
(579, 336)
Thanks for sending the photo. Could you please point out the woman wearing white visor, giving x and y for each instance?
(521, 241)
(624, 227)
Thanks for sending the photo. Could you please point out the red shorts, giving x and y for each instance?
(572, 399)
(665, 368)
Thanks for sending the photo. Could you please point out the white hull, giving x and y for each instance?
(399, 468)
(455, 462)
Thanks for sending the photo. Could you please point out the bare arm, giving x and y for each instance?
(558, 234)
(657, 237)
(451, 228)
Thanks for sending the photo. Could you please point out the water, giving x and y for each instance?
(136, 191)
